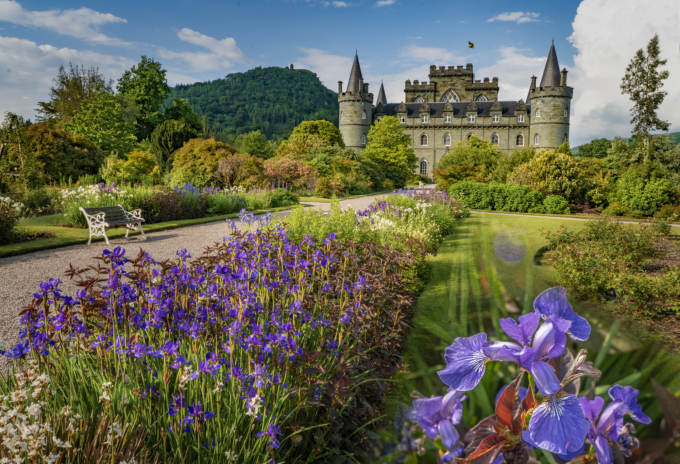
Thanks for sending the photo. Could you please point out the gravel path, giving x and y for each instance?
(21, 275)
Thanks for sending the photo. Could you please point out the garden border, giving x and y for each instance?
(574, 217)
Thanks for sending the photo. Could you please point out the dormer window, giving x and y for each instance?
(402, 119)
(520, 118)
(447, 118)
(538, 113)
(424, 119)
(471, 118)
(496, 118)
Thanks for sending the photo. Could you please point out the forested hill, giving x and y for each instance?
(273, 100)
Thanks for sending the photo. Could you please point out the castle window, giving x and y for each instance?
(537, 140)
(363, 115)
(423, 167)
(494, 139)
(447, 140)
(496, 118)
(566, 113)
(423, 140)
(402, 119)
(565, 138)
(363, 139)
(379, 118)
(468, 137)
(471, 118)
(447, 118)
(538, 113)
(481, 98)
(342, 115)
(424, 118)
(520, 140)
(520, 118)
(419, 99)
(450, 96)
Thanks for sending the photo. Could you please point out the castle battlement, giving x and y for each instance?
(420, 85)
(451, 71)
(557, 91)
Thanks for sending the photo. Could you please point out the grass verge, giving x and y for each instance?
(67, 236)
(571, 216)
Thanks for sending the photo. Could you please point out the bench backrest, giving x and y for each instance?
(112, 213)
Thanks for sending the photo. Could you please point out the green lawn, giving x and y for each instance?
(485, 271)
(329, 200)
(66, 236)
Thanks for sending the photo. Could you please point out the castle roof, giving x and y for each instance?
(551, 73)
(382, 98)
(355, 75)
(459, 108)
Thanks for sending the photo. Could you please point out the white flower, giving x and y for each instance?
(104, 397)
(231, 456)
(34, 410)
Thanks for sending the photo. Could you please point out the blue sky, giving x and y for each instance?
(396, 39)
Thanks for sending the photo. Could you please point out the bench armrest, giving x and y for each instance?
(96, 219)
(134, 214)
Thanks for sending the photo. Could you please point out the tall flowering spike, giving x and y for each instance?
(465, 362)
(628, 396)
(559, 424)
(523, 331)
(552, 304)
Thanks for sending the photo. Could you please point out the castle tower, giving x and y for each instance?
(550, 105)
(356, 109)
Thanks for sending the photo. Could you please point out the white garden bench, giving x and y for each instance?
(101, 218)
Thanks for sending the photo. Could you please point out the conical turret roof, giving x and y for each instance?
(355, 75)
(382, 98)
(551, 73)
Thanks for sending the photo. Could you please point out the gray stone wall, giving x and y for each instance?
(552, 125)
(352, 126)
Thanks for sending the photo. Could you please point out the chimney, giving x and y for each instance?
(361, 84)
(533, 82)
(563, 77)
(366, 88)
(339, 87)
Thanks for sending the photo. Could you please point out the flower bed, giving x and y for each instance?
(267, 347)
(10, 213)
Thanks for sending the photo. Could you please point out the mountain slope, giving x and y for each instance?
(273, 100)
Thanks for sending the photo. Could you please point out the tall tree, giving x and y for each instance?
(596, 148)
(389, 147)
(17, 157)
(102, 120)
(256, 144)
(169, 137)
(643, 82)
(182, 111)
(73, 88)
(146, 86)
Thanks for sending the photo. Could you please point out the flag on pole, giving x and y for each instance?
(471, 45)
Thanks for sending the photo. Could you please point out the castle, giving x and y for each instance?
(454, 106)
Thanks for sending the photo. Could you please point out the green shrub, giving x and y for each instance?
(388, 184)
(473, 195)
(668, 213)
(221, 203)
(283, 197)
(616, 209)
(196, 162)
(498, 197)
(556, 204)
(645, 188)
(323, 188)
(550, 172)
(39, 202)
(10, 213)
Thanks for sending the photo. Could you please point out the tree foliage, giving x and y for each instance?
(272, 100)
(475, 151)
(240, 169)
(643, 82)
(17, 157)
(324, 130)
(101, 120)
(182, 111)
(197, 161)
(596, 148)
(389, 147)
(256, 144)
(73, 89)
(168, 137)
(145, 86)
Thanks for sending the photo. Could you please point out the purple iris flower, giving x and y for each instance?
(611, 425)
(552, 304)
(438, 415)
(196, 414)
(272, 431)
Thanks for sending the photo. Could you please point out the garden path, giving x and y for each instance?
(20, 276)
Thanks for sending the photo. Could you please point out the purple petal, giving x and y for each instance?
(553, 302)
(466, 362)
(523, 331)
(549, 342)
(524, 357)
(448, 433)
(424, 408)
(546, 380)
(493, 349)
(430, 428)
(611, 420)
(449, 403)
(628, 395)
(559, 424)
(592, 408)
(603, 451)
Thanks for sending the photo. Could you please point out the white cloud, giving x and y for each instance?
(415, 38)
(28, 69)
(517, 16)
(330, 68)
(340, 4)
(385, 2)
(514, 70)
(82, 23)
(604, 51)
(432, 55)
(223, 53)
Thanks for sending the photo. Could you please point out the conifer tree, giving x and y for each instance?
(643, 82)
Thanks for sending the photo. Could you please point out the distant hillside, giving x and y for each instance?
(273, 100)
(675, 137)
